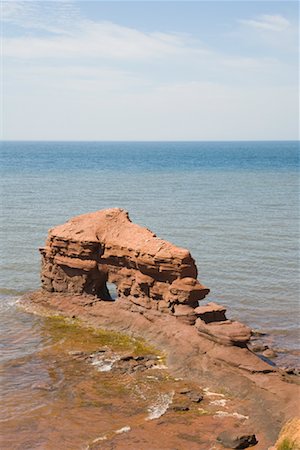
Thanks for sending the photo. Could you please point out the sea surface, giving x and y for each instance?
(234, 205)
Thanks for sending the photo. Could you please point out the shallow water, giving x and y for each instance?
(59, 389)
(53, 397)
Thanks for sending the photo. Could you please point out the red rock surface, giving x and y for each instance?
(91, 250)
(265, 394)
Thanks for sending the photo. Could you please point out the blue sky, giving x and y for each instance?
(198, 70)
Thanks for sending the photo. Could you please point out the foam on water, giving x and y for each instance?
(218, 402)
(104, 363)
(123, 430)
(160, 407)
(222, 414)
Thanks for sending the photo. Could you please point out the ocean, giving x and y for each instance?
(234, 205)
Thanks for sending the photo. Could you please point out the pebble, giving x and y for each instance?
(269, 353)
(259, 348)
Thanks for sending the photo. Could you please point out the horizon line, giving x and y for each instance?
(150, 141)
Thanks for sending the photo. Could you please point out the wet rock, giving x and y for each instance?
(179, 408)
(258, 348)
(292, 371)
(195, 397)
(130, 363)
(232, 439)
(127, 358)
(269, 353)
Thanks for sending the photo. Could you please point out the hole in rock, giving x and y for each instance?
(112, 291)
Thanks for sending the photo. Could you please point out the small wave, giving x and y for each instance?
(8, 303)
(161, 406)
(159, 366)
(98, 439)
(221, 414)
(123, 430)
(212, 394)
(218, 402)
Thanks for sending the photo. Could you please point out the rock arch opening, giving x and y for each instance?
(112, 291)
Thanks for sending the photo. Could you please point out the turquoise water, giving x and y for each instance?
(234, 205)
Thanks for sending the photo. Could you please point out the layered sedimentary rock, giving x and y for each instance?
(212, 323)
(85, 254)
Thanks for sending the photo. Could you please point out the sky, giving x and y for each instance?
(150, 70)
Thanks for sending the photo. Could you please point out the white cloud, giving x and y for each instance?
(100, 40)
(101, 80)
(54, 18)
(268, 22)
(69, 35)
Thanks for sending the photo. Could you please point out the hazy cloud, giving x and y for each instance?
(268, 22)
(104, 80)
(57, 17)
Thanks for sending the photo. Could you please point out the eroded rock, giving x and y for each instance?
(94, 249)
(152, 276)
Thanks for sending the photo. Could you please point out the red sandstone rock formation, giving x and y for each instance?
(91, 250)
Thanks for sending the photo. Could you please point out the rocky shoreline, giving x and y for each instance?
(267, 395)
(158, 298)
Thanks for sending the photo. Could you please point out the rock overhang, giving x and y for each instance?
(91, 250)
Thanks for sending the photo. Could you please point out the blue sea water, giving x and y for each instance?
(234, 205)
